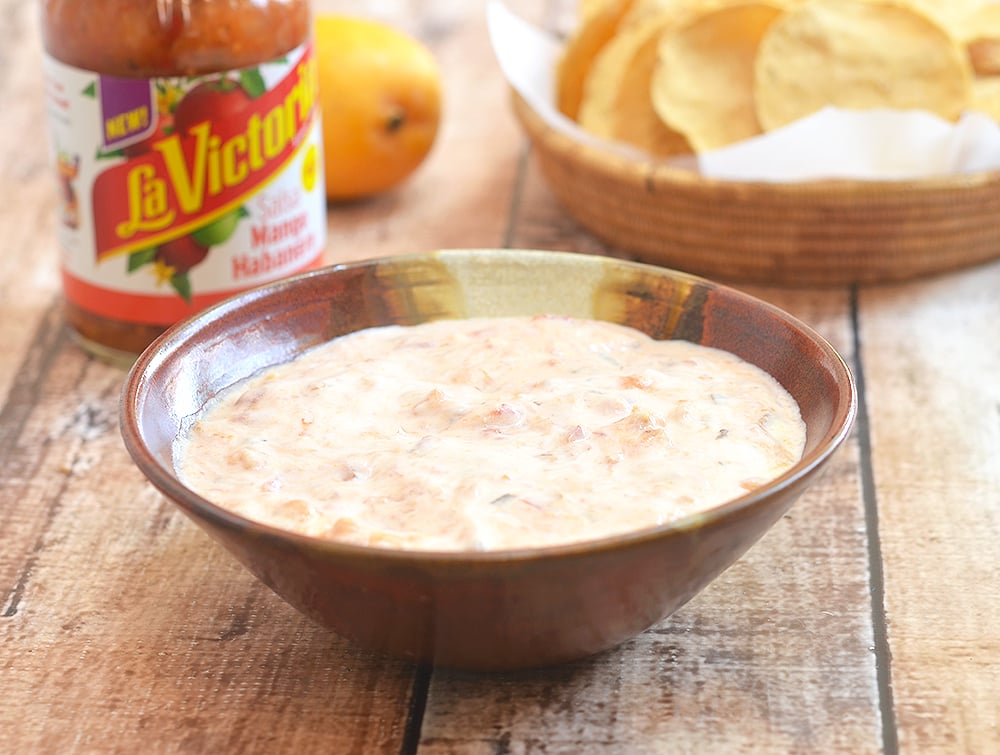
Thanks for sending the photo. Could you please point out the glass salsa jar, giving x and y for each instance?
(186, 141)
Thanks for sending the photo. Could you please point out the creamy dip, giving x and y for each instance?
(490, 433)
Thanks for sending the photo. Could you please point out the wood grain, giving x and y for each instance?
(864, 622)
(931, 356)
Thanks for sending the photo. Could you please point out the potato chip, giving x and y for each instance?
(979, 31)
(579, 53)
(984, 54)
(607, 76)
(986, 96)
(587, 9)
(950, 14)
(633, 118)
(703, 83)
(652, 11)
(858, 55)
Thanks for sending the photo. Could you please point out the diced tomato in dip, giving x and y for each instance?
(491, 433)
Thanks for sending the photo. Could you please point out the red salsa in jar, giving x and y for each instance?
(186, 140)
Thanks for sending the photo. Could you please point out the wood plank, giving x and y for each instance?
(27, 192)
(31, 324)
(931, 356)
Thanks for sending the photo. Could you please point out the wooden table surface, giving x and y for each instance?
(867, 620)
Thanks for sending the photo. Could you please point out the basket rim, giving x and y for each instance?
(622, 167)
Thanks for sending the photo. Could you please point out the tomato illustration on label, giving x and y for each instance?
(174, 259)
(180, 113)
(218, 99)
(180, 255)
(181, 190)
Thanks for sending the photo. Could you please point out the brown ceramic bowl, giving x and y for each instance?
(484, 610)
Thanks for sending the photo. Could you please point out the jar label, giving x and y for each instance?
(177, 192)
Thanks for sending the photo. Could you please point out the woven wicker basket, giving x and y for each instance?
(824, 233)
